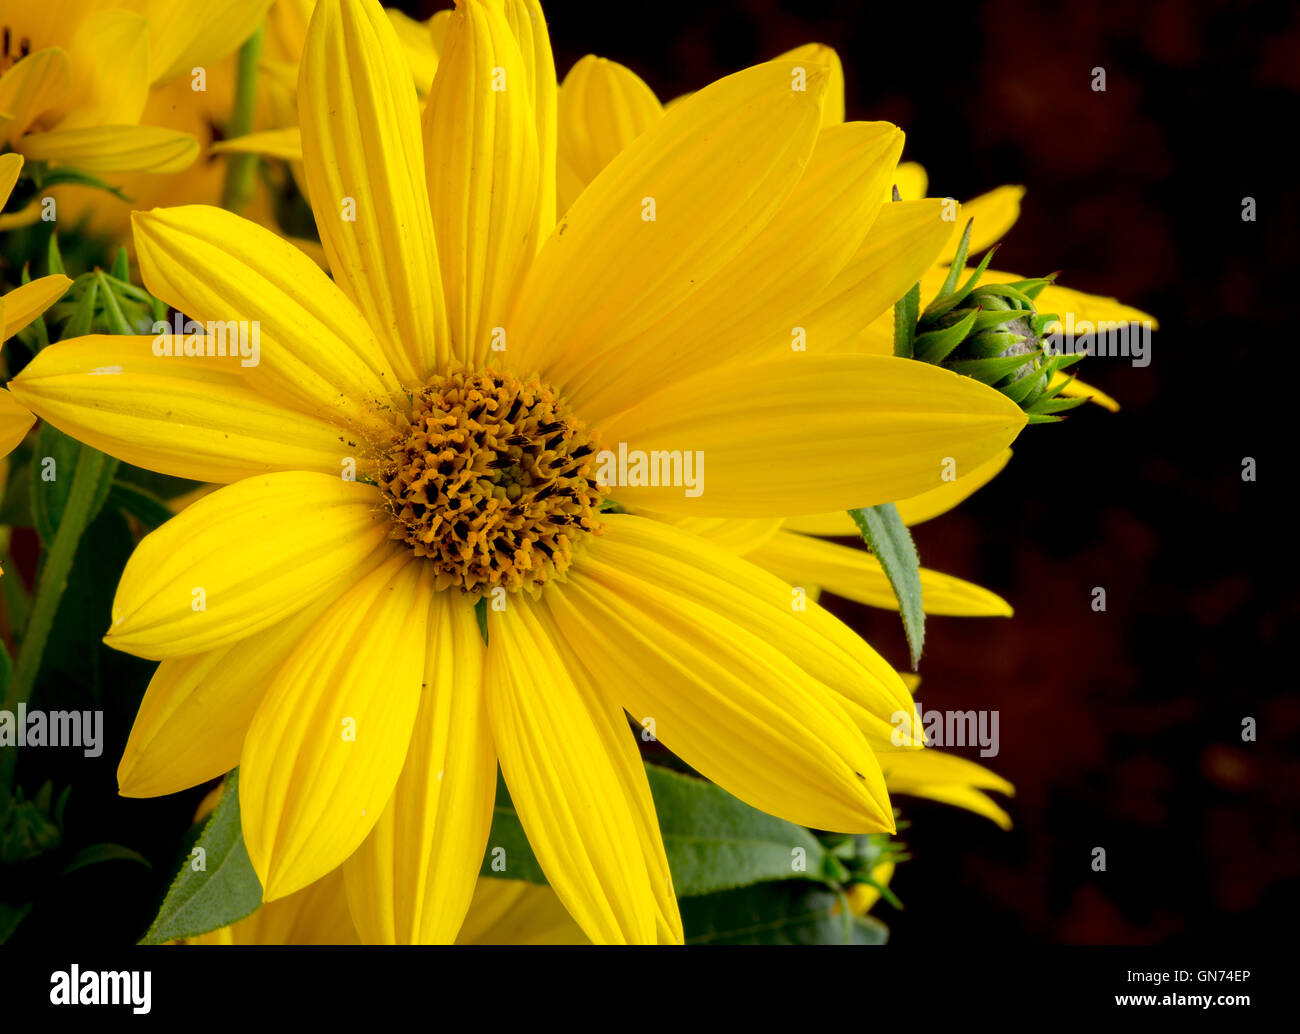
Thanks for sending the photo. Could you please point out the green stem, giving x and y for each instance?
(238, 191)
(50, 584)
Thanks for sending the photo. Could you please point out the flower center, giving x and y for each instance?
(492, 481)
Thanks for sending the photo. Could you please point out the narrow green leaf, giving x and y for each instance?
(144, 506)
(11, 916)
(55, 460)
(888, 538)
(96, 853)
(117, 322)
(225, 890)
(121, 265)
(55, 257)
(480, 615)
(907, 311)
(83, 315)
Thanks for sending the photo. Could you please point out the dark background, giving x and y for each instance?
(1120, 729)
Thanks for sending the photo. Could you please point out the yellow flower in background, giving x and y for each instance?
(470, 365)
(77, 74)
(287, 32)
(17, 309)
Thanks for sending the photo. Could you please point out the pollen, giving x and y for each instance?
(493, 481)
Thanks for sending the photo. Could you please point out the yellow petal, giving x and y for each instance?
(483, 164)
(108, 149)
(190, 417)
(946, 778)
(1077, 389)
(23, 304)
(15, 421)
(911, 180)
(819, 53)
(192, 721)
(603, 107)
(904, 241)
(418, 43)
(317, 352)
(285, 144)
(328, 742)
(734, 534)
(250, 554)
(715, 171)
(949, 494)
(365, 174)
(735, 680)
(577, 783)
(412, 879)
(762, 295)
(11, 165)
(515, 912)
(1093, 308)
(857, 575)
(184, 35)
(35, 85)
(528, 24)
(994, 214)
(915, 510)
(809, 433)
(110, 53)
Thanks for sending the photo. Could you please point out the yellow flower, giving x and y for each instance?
(320, 631)
(17, 309)
(75, 76)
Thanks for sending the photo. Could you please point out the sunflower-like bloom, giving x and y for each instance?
(76, 75)
(17, 309)
(423, 432)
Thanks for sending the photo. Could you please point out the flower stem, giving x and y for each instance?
(238, 189)
(51, 582)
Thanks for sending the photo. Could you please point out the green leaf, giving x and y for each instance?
(11, 916)
(50, 498)
(96, 853)
(480, 615)
(55, 257)
(907, 310)
(224, 891)
(117, 323)
(144, 506)
(713, 841)
(777, 913)
(83, 314)
(121, 264)
(888, 538)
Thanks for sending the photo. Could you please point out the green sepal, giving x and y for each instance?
(936, 345)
